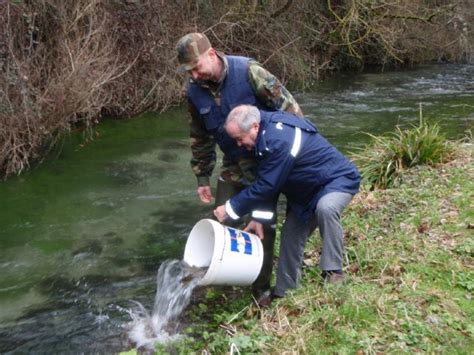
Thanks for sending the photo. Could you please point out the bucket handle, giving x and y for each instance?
(225, 243)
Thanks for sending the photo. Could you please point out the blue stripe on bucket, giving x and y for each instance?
(248, 244)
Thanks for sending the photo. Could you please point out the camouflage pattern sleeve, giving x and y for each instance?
(203, 148)
(271, 91)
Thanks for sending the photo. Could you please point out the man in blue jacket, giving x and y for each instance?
(217, 83)
(317, 180)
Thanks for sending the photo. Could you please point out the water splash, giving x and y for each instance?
(175, 282)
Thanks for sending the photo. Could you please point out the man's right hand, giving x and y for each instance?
(205, 194)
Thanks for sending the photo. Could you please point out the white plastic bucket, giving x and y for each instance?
(234, 257)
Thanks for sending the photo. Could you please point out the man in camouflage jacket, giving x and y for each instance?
(218, 83)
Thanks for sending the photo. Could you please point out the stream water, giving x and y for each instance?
(175, 283)
(84, 234)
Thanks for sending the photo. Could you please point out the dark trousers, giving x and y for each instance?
(225, 190)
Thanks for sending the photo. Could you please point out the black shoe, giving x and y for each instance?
(266, 298)
(333, 277)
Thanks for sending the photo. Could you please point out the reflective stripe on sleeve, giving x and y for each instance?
(297, 142)
(262, 214)
(230, 211)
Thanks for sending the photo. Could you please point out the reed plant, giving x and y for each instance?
(383, 161)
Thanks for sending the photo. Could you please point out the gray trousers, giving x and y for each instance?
(295, 234)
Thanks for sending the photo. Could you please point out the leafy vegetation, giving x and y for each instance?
(383, 161)
(409, 262)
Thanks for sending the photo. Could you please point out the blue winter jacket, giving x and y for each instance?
(293, 158)
(236, 90)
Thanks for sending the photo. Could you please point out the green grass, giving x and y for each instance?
(410, 268)
(383, 162)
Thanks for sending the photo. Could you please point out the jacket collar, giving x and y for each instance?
(261, 143)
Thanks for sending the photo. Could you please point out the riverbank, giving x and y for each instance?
(66, 65)
(410, 282)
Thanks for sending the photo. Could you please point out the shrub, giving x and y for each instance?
(66, 64)
(384, 159)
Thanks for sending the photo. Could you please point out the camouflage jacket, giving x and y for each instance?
(270, 91)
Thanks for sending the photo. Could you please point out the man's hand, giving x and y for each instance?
(220, 213)
(256, 228)
(205, 194)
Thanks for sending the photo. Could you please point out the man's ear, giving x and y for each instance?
(212, 53)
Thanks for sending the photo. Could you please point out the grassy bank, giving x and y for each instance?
(410, 271)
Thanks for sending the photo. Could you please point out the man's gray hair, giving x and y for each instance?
(244, 116)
